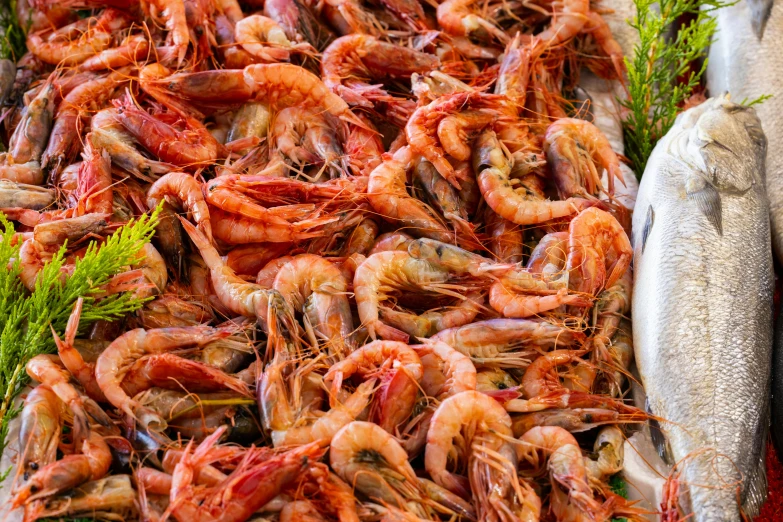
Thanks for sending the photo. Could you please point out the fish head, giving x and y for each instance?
(727, 144)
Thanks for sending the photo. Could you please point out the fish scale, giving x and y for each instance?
(702, 304)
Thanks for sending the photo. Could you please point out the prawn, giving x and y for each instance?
(388, 196)
(599, 251)
(39, 433)
(499, 342)
(184, 189)
(574, 149)
(493, 165)
(263, 38)
(315, 286)
(401, 371)
(431, 322)
(457, 18)
(94, 183)
(115, 362)
(20, 195)
(135, 48)
(362, 238)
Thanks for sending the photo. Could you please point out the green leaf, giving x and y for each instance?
(12, 35)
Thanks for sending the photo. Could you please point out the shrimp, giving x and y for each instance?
(498, 342)
(108, 134)
(234, 293)
(238, 230)
(22, 161)
(362, 238)
(391, 241)
(573, 420)
(481, 427)
(597, 27)
(280, 84)
(363, 147)
(493, 167)
(506, 237)
(135, 48)
(574, 149)
(455, 371)
(48, 370)
(352, 58)
(491, 381)
(115, 362)
(72, 470)
(58, 231)
(386, 271)
(20, 195)
(254, 482)
(456, 18)
(431, 322)
(94, 183)
(184, 189)
(566, 470)
(423, 126)
(401, 370)
(300, 511)
(388, 196)
(599, 251)
(39, 433)
(249, 259)
(74, 43)
(319, 134)
(373, 462)
(106, 498)
(176, 23)
(608, 450)
(71, 117)
(252, 119)
(263, 38)
(315, 286)
(569, 17)
(549, 256)
(538, 379)
(192, 147)
(613, 304)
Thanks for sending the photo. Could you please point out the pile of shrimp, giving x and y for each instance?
(390, 278)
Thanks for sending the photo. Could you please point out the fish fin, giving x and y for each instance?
(707, 198)
(760, 10)
(756, 487)
(658, 439)
(648, 223)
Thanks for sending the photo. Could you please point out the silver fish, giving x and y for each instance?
(702, 305)
(746, 67)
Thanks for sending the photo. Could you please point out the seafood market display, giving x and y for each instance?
(391, 276)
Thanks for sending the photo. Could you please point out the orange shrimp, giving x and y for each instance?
(94, 188)
(39, 433)
(457, 18)
(192, 147)
(187, 192)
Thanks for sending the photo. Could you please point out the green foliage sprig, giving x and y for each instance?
(26, 317)
(12, 39)
(660, 73)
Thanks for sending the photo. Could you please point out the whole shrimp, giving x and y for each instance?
(115, 362)
(263, 38)
(186, 191)
(388, 196)
(457, 18)
(401, 370)
(39, 433)
(315, 286)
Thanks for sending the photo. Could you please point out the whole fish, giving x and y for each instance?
(748, 67)
(702, 306)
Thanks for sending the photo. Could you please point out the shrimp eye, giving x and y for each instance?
(34, 466)
(502, 386)
(33, 488)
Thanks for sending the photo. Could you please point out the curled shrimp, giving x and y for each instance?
(401, 370)
(315, 286)
(568, 18)
(455, 371)
(185, 190)
(480, 420)
(599, 251)
(385, 271)
(351, 58)
(566, 469)
(389, 197)
(574, 149)
(500, 342)
(493, 165)
(115, 362)
(263, 38)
